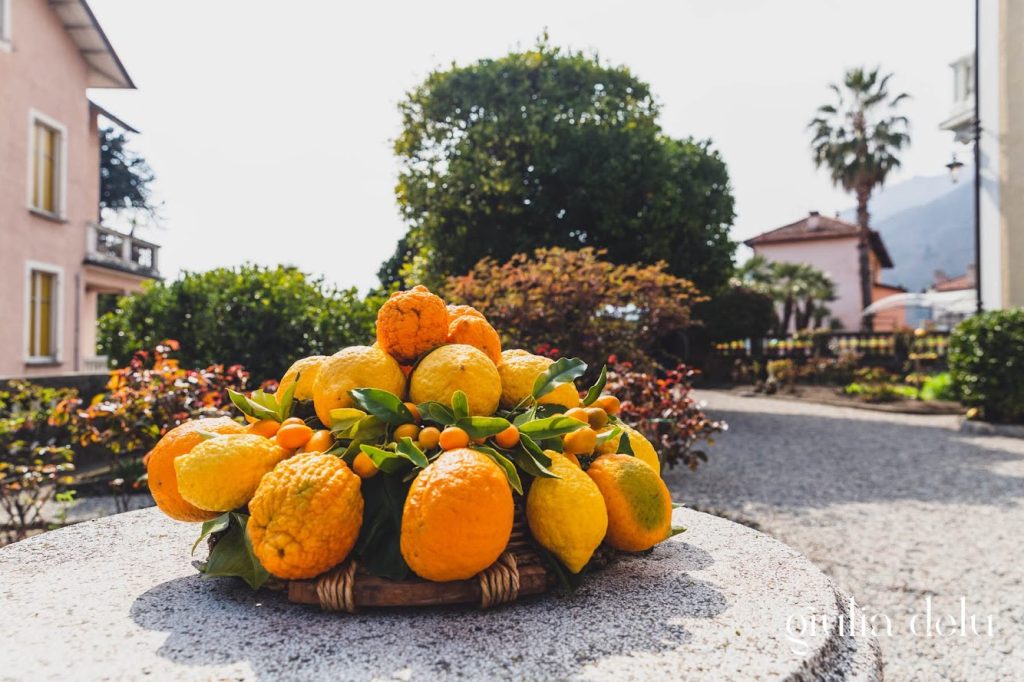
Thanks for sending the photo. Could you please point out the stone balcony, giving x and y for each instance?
(110, 248)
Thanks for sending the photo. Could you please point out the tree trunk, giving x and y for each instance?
(787, 314)
(867, 322)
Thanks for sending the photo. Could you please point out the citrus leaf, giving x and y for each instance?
(532, 459)
(369, 429)
(482, 427)
(550, 427)
(506, 464)
(676, 530)
(460, 405)
(412, 452)
(233, 555)
(212, 526)
(284, 407)
(384, 405)
(529, 415)
(264, 399)
(251, 408)
(391, 462)
(606, 436)
(438, 413)
(561, 371)
(378, 547)
(343, 419)
(594, 392)
(625, 447)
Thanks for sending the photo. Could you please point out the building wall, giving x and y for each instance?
(1011, 151)
(837, 258)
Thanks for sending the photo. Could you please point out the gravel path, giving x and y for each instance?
(900, 510)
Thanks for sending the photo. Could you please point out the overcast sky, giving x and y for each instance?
(269, 124)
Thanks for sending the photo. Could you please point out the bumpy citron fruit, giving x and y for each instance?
(221, 474)
(457, 311)
(641, 447)
(567, 515)
(305, 516)
(457, 518)
(519, 369)
(457, 367)
(638, 502)
(410, 323)
(163, 481)
(306, 370)
(354, 367)
(476, 332)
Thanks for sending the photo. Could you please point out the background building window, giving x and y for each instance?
(46, 167)
(5, 21)
(42, 315)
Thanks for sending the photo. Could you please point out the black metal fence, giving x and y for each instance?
(881, 346)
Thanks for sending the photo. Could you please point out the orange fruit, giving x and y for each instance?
(507, 438)
(410, 323)
(597, 417)
(414, 409)
(265, 427)
(457, 311)
(638, 502)
(579, 414)
(320, 441)
(305, 516)
(476, 332)
(457, 517)
(453, 437)
(608, 403)
(580, 442)
(292, 420)
(163, 481)
(364, 466)
(406, 431)
(294, 436)
(429, 437)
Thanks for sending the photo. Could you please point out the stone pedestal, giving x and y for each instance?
(117, 598)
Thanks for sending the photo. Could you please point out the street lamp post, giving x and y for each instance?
(977, 157)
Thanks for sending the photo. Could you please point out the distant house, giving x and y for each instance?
(57, 261)
(830, 245)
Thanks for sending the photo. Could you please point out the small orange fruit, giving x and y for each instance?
(293, 436)
(320, 441)
(265, 427)
(597, 418)
(580, 442)
(476, 332)
(406, 431)
(292, 420)
(453, 437)
(457, 518)
(579, 414)
(429, 437)
(364, 466)
(507, 438)
(608, 403)
(414, 410)
(410, 323)
(161, 476)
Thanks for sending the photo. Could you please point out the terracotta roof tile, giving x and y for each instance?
(817, 226)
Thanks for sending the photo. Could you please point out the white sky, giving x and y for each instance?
(269, 123)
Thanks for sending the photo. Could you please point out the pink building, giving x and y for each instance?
(830, 245)
(56, 260)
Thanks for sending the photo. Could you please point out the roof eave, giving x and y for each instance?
(112, 73)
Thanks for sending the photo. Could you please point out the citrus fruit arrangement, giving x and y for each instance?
(421, 459)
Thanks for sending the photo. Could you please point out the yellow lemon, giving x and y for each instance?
(222, 473)
(306, 370)
(457, 367)
(519, 369)
(641, 447)
(354, 367)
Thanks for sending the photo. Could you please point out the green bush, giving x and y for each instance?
(262, 318)
(986, 360)
(735, 313)
(938, 387)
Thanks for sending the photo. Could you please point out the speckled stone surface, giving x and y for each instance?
(116, 598)
(902, 511)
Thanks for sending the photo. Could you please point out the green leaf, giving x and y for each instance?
(529, 415)
(378, 547)
(412, 452)
(460, 405)
(531, 459)
(437, 413)
(392, 462)
(343, 419)
(284, 407)
(233, 555)
(212, 526)
(608, 435)
(676, 530)
(551, 427)
(594, 392)
(369, 429)
(264, 399)
(251, 408)
(482, 427)
(506, 464)
(625, 447)
(386, 406)
(561, 371)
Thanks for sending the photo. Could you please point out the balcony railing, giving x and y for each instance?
(113, 249)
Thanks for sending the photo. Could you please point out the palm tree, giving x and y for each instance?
(818, 291)
(796, 288)
(858, 138)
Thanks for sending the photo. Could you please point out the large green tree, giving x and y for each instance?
(548, 148)
(125, 177)
(858, 138)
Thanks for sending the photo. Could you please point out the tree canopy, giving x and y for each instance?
(124, 176)
(548, 148)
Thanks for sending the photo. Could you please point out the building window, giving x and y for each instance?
(46, 182)
(44, 291)
(5, 24)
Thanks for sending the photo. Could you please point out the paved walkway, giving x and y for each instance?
(902, 511)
